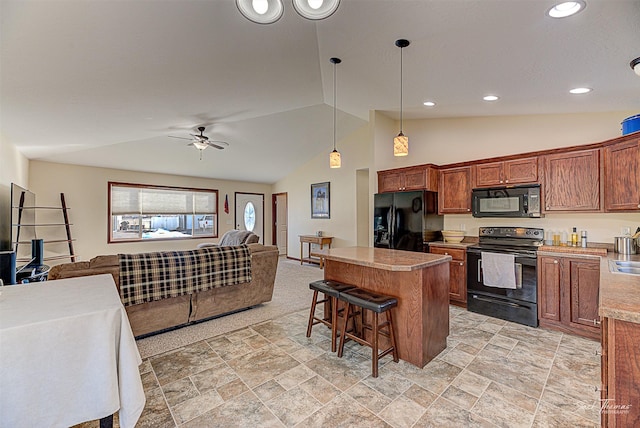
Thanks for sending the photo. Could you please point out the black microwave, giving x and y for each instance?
(516, 201)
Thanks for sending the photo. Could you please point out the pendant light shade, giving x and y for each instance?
(261, 11)
(401, 142)
(316, 9)
(334, 156)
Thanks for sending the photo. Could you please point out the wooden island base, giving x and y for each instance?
(419, 281)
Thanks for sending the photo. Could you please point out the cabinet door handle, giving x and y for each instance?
(461, 264)
(598, 352)
(596, 322)
(555, 262)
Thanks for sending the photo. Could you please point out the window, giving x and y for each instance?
(140, 212)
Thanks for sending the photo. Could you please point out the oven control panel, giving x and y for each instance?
(512, 232)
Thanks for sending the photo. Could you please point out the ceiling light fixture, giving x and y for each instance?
(261, 11)
(334, 156)
(401, 142)
(635, 65)
(316, 9)
(567, 8)
(577, 91)
(429, 103)
(269, 11)
(491, 98)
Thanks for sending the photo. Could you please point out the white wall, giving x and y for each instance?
(355, 154)
(85, 190)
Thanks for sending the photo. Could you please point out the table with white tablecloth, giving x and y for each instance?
(67, 354)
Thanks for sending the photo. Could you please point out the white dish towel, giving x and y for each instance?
(498, 270)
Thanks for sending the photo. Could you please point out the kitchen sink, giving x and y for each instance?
(625, 266)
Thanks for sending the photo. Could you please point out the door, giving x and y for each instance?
(280, 234)
(250, 213)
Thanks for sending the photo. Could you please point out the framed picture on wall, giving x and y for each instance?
(320, 206)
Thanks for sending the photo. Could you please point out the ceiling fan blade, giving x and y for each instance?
(181, 138)
(220, 145)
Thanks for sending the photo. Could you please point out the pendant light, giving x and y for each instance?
(261, 11)
(334, 156)
(401, 142)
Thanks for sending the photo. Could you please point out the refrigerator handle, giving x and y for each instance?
(392, 227)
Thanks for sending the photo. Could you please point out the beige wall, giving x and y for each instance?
(85, 190)
(354, 151)
(14, 168)
(444, 141)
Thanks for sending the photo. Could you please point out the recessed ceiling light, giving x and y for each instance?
(567, 8)
(429, 103)
(490, 98)
(580, 90)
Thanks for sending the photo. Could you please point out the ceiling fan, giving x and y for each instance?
(201, 141)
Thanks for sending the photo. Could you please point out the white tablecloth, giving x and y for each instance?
(67, 354)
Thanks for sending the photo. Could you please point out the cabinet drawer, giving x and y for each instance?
(455, 253)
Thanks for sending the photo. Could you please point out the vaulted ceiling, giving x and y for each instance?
(105, 83)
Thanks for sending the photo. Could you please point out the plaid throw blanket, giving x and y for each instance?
(153, 276)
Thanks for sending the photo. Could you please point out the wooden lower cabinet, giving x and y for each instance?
(568, 293)
(620, 392)
(457, 273)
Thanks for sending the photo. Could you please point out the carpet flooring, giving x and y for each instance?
(291, 293)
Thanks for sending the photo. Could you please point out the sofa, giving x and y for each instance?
(236, 237)
(160, 315)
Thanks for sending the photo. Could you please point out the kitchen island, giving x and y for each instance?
(420, 282)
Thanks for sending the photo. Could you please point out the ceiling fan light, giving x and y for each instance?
(334, 159)
(316, 9)
(261, 11)
(200, 145)
(401, 145)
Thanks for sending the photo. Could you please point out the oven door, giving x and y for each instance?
(526, 277)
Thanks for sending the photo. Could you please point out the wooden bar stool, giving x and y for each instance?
(331, 291)
(358, 301)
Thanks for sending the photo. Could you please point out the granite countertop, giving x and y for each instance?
(619, 292)
(382, 258)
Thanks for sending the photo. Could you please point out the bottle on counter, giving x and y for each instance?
(556, 238)
(574, 238)
(583, 239)
(564, 242)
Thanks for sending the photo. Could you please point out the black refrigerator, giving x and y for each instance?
(406, 220)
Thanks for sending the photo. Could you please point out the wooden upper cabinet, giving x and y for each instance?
(572, 181)
(622, 176)
(423, 177)
(517, 171)
(454, 196)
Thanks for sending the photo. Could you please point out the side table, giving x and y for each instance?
(314, 257)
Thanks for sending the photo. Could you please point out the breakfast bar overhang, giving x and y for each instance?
(420, 282)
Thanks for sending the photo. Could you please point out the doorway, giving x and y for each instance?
(250, 213)
(280, 224)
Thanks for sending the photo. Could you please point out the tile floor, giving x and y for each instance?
(492, 373)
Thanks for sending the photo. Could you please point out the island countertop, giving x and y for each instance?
(386, 259)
